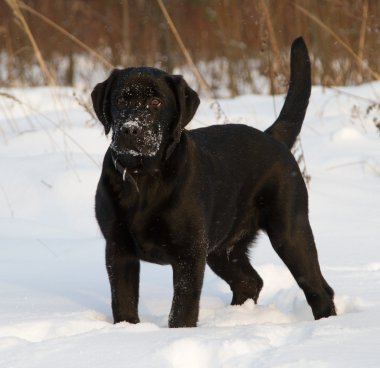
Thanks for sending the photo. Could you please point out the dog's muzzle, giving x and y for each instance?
(137, 138)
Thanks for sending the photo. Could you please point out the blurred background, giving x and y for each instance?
(238, 45)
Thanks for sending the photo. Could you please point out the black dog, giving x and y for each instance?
(184, 198)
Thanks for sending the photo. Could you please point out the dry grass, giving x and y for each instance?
(15, 6)
(185, 51)
(238, 31)
(356, 57)
(64, 32)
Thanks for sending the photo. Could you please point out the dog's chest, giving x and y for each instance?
(151, 238)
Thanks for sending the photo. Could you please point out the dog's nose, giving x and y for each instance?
(131, 129)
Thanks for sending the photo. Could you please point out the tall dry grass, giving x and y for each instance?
(342, 37)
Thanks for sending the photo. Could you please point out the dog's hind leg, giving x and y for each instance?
(236, 270)
(292, 239)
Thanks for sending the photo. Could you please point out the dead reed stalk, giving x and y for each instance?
(272, 36)
(15, 6)
(358, 59)
(56, 125)
(66, 33)
(185, 52)
(363, 30)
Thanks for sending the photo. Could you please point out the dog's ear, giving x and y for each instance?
(101, 100)
(187, 103)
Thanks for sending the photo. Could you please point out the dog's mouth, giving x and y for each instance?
(135, 139)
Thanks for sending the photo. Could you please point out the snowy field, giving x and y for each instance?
(54, 294)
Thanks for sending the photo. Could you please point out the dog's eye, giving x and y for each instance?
(155, 103)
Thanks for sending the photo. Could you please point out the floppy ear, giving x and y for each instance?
(101, 100)
(187, 103)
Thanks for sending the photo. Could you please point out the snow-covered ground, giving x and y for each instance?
(54, 294)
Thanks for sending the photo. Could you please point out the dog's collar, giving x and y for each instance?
(123, 171)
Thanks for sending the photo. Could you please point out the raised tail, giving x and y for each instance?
(288, 125)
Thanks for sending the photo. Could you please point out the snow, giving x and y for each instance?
(55, 299)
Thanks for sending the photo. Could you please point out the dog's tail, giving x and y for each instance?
(288, 125)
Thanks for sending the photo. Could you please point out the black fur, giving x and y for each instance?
(186, 198)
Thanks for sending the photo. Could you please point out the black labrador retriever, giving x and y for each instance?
(186, 198)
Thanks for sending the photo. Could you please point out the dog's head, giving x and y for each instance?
(146, 109)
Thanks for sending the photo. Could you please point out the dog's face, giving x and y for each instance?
(146, 109)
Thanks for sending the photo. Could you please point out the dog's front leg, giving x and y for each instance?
(187, 281)
(123, 269)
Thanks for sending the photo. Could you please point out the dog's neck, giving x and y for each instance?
(131, 171)
(123, 171)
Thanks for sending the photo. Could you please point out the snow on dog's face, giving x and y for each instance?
(142, 110)
(138, 124)
(146, 109)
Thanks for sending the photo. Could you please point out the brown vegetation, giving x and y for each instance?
(229, 35)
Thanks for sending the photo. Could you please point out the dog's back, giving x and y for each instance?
(237, 144)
